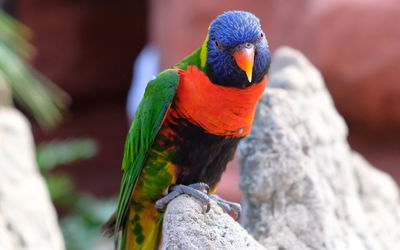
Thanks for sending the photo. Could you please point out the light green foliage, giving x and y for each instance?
(58, 152)
(81, 228)
(85, 213)
(61, 152)
(31, 90)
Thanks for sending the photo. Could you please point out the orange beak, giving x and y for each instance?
(244, 57)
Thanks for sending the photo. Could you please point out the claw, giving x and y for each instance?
(227, 206)
(195, 190)
(161, 203)
(201, 186)
(199, 191)
(237, 209)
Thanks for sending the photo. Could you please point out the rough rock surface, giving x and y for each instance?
(187, 227)
(27, 217)
(303, 187)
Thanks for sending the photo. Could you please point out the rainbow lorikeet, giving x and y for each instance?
(188, 126)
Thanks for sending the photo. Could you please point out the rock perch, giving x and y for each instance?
(303, 187)
(186, 226)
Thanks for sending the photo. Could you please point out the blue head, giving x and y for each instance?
(237, 50)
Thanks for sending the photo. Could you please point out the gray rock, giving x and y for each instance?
(303, 187)
(27, 217)
(187, 227)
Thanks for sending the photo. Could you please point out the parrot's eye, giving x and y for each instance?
(219, 46)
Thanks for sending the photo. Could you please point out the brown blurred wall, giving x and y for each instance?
(88, 48)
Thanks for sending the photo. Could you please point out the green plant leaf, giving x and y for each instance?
(31, 90)
(61, 152)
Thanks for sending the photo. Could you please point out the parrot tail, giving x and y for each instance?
(108, 229)
(143, 228)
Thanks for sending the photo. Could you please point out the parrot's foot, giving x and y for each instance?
(197, 190)
(227, 206)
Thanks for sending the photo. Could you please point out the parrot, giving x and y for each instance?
(188, 126)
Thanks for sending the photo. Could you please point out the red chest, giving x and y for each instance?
(217, 109)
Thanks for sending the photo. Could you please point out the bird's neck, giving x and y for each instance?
(197, 58)
(217, 109)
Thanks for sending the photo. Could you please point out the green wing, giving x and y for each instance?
(148, 119)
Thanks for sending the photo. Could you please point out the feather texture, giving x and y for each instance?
(149, 116)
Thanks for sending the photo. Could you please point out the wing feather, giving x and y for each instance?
(148, 120)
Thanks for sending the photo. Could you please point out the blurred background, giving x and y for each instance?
(89, 48)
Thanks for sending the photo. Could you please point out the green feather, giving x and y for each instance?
(148, 119)
(144, 129)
